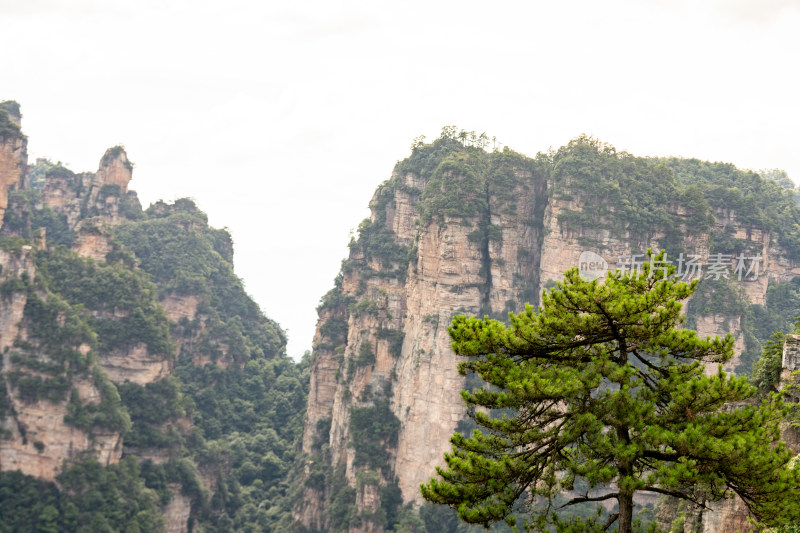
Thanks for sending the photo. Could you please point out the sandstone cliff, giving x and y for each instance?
(40, 431)
(48, 398)
(13, 152)
(103, 194)
(51, 406)
(459, 231)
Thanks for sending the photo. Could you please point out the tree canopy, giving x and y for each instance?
(600, 395)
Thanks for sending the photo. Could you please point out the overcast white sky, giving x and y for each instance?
(281, 118)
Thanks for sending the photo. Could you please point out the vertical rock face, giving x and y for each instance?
(93, 239)
(13, 152)
(136, 365)
(791, 356)
(727, 516)
(453, 232)
(563, 246)
(382, 337)
(177, 511)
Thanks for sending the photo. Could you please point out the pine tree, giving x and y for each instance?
(601, 386)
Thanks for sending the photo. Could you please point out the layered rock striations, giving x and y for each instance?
(459, 230)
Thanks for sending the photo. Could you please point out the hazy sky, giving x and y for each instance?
(281, 118)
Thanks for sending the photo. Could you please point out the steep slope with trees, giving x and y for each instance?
(141, 388)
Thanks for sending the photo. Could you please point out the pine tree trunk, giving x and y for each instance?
(625, 512)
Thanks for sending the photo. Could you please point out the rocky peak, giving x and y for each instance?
(115, 169)
(13, 152)
(92, 200)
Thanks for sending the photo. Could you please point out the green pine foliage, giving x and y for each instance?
(767, 370)
(602, 387)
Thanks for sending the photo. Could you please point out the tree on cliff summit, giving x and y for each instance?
(600, 389)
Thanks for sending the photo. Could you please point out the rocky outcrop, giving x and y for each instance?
(115, 171)
(39, 442)
(726, 516)
(180, 306)
(719, 326)
(13, 153)
(93, 239)
(177, 511)
(790, 361)
(100, 194)
(136, 365)
(62, 193)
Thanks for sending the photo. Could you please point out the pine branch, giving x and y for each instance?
(583, 499)
(675, 494)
